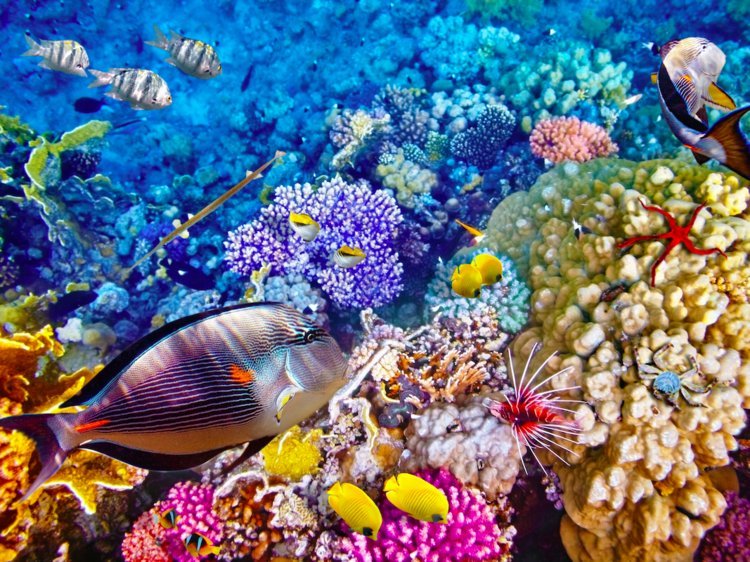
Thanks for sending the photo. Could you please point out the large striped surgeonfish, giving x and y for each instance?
(194, 388)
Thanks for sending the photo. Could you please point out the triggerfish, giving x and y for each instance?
(466, 281)
(490, 267)
(356, 508)
(417, 497)
(724, 141)
(199, 545)
(194, 388)
(142, 89)
(304, 225)
(192, 56)
(66, 56)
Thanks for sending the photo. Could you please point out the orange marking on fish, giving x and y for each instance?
(691, 147)
(90, 426)
(241, 375)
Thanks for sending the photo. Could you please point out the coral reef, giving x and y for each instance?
(728, 541)
(634, 487)
(569, 138)
(292, 455)
(479, 145)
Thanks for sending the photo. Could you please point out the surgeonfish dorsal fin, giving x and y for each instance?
(719, 99)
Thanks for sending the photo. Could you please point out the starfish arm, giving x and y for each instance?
(694, 216)
(670, 219)
(635, 239)
(701, 251)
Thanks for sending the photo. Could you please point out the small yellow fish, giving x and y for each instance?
(304, 225)
(466, 281)
(346, 256)
(417, 497)
(356, 509)
(490, 267)
(167, 519)
(475, 232)
(199, 545)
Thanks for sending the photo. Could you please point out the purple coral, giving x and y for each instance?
(349, 214)
(479, 146)
(470, 534)
(730, 540)
(193, 506)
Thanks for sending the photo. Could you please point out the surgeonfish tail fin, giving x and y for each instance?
(726, 131)
(35, 49)
(51, 454)
(160, 41)
(102, 78)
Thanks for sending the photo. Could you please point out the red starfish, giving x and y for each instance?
(676, 235)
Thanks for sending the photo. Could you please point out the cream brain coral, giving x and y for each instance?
(635, 487)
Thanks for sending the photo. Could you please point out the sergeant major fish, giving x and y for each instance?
(66, 56)
(192, 56)
(194, 388)
(141, 88)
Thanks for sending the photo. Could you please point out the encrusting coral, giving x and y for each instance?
(634, 487)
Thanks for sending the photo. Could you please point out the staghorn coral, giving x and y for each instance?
(348, 213)
(470, 533)
(569, 138)
(508, 299)
(634, 487)
(406, 177)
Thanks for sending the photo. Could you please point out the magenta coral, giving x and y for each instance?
(470, 534)
(193, 506)
(569, 138)
(729, 541)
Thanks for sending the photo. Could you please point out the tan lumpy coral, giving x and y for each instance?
(634, 488)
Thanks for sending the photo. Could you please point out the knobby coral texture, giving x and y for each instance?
(351, 214)
(569, 138)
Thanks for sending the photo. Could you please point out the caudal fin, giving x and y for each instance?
(51, 454)
(102, 78)
(160, 41)
(35, 49)
(726, 131)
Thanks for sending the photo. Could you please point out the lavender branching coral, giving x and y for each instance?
(349, 214)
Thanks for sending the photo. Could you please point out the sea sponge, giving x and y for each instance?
(293, 454)
(634, 487)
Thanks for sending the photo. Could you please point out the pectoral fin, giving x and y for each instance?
(719, 99)
(286, 395)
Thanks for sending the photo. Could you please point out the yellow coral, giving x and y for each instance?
(634, 488)
(293, 454)
(406, 178)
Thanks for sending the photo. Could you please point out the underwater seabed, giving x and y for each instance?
(479, 208)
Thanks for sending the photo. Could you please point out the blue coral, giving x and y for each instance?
(349, 214)
(509, 299)
(480, 145)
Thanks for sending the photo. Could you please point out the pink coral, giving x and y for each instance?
(193, 506)
(569, 138)
(470, 534)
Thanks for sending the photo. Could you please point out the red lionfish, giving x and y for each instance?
(535, 417)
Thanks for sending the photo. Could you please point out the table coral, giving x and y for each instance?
(348, 213)
(569, 138)
(634, 487)
(470, 533)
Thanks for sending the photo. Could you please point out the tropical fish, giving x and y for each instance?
(187, 275)
(88, 105)
(579, 230)
(694, 65)
(724, 141)
(199, 545)
(68, 303)
(346, 256)
(466, 281)
(477, 234)
(631, 100)
(304, 225)
(194, 388)
(142, 89)
(167, 519)
(356, 509)
(66, 56)
(192, 56)
(652, 47)
(205, 211)
(417, 497)
(490, 267)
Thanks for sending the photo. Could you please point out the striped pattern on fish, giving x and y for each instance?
(192, 56)
(143, 89)
(195, 387)
(65, 56)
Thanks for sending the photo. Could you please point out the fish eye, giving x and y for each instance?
(79, 66)
(310, 336)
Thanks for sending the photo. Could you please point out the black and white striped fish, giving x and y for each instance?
(192, 56)
(194, 388)
(66, 56)
(142, 89)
